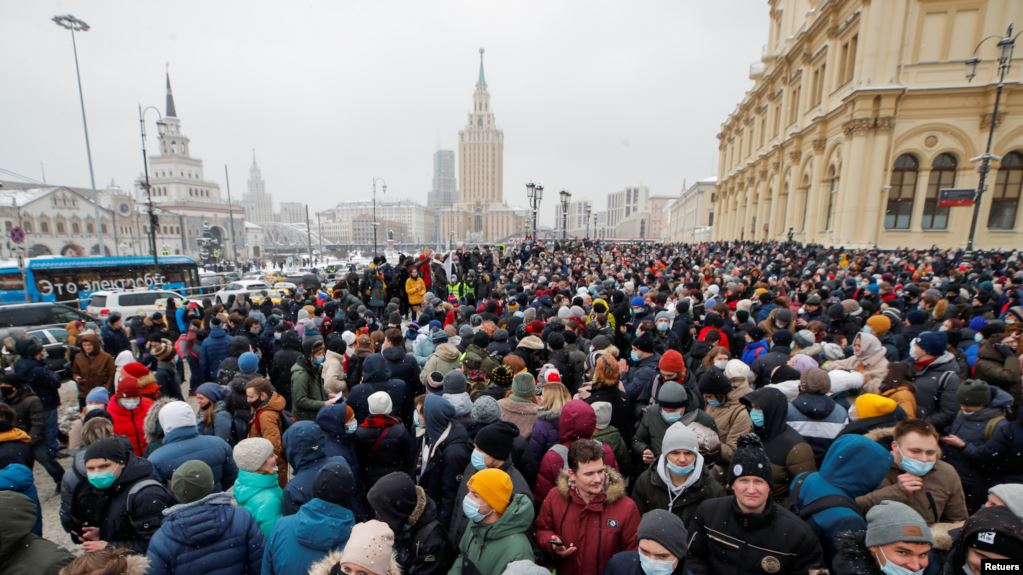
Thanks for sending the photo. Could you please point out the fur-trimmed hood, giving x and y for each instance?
(881, 435)
(326, 566)
(151, 423)
(136, 564)
(614, 484)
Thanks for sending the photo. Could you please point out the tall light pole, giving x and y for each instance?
(1006, 44)
(534, 193)
(75, 25)
(375, 180)
(565, 197)
(149, 194)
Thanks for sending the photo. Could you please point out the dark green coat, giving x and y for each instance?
(21, 551)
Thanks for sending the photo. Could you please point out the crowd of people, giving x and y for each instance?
(574, 407)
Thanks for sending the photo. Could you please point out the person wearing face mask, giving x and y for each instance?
(499, 521)
(256, 488)
(307, 392)
(267, 420)
(998, 363)
(338, 424)
(991, 533)
(492, 449)
(661, 549)
(587, 518)
(897, 541)
(674, 404)
(789, 453)
(382, 444)
(639, 371)
(935, 379)
(677, 481)
(778, 355)
(128, 409)
(419, 545)
(919, 478)
(722, 401)
(117, 481)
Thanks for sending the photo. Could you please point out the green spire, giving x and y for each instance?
(482, 80)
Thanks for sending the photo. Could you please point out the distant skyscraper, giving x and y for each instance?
(481, 152)
(259, 205)
(292, 213)
(444, 192)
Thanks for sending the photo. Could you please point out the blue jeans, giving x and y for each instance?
(52, 434)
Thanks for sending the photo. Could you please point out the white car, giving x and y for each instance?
(130, 302)
(237, 288)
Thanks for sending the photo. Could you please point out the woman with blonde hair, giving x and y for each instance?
(545, 430)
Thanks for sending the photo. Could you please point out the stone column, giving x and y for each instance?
(855, 165)
(869, 225)
(816, 199)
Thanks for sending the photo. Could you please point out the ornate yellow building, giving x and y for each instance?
(860, 113)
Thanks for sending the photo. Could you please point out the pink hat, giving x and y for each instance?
(370, 546)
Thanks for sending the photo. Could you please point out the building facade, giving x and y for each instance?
(444, 192)
(259, 205)
(691, 216)
(481, 214)
(184, 198)
(626, 203)
(405, 220)
(292, 213)
(657, 228)
(578, 217)
(860, 115)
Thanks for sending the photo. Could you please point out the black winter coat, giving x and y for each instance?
(442, 474)
(43, 382)
(29, 415)
(852, 556)
(382, 445)
(765, 365)
(404, 367)
(280, 367)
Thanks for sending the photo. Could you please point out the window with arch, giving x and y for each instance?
(943, 175)
(44, 227)
(90, 227)
(75, 228)
(832, 197)
(902, 188)
(60, 227)
(1006, 192)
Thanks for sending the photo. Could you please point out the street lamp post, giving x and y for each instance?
(149, 195)
(534, 193)
(565, 197)
(1006, 44)
(75, 25)
(375, 211)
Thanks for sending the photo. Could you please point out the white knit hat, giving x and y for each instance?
(175, 415)
(250, 454)
(370, 546)
(380, 403)
(603, 411)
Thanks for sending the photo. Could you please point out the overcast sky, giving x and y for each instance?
(592, 95)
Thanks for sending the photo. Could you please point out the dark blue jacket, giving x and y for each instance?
(818, 419)
(114, 340)
(640, 377)
(184, 444)
(304, 450)
(376, 376)
(43, 382)
(304, 538)
(213, 351)
(853, 466)
(208, 537)
(970, 428)
(331, 420)
(17, 477)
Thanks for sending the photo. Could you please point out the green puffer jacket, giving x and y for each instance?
(23, 552)
(307, 393)
(260, 495)
(490, 548)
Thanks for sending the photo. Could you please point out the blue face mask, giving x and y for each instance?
(471, 509)
(890, 568)
(677, 469)
(662, 326)
(102, 480)
(915, 466)
(714, 402)
(670, 417)
(318, 360)
(977, 337)
(415, 419)
(868, 329)
(634, 355)
(655, 566)
(477, 460)
(757, 417)
(351, 426)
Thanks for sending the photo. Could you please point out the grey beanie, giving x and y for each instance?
(250, 454)
(678, 436)
(666, 528)
(523, 387)
(465, 332)
(485, 410)
(1012, 495)
(804, 338)
(454, 382)
(564, 312)
(603, 411)
(672, 395)
(891, 522)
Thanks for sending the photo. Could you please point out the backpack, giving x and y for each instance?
(821, 504)
(284, 421)
(239, 426)
(141, 525)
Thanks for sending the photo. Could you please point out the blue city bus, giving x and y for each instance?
(53, 278)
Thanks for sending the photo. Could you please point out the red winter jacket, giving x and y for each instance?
(130, 423)
(577, 421)
(599, 529)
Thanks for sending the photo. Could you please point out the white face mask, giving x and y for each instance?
(129, 403)
(720, 364)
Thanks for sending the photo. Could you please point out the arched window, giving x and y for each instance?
(44, 227)
(1005, 194)
(902, 188)
(60, 227)
(90, 227)
(832, 197)
(75, 228)
(943, 175)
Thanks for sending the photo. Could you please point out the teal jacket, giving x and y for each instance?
(490, 548)
(259, 494)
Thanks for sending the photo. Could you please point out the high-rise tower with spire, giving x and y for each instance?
(259, 205)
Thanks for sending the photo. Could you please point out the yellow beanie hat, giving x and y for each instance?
(880, 324)
(873, 405)
(494, 486)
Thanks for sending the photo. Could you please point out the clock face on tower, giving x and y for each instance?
(124, 208)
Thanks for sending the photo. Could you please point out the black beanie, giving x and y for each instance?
(714, 382)
(782, 337)
(334, 482)
(394, 497)
(644, 343)
(556, 341)
(116, 449)
(496, 439)
(750, 459)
